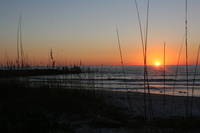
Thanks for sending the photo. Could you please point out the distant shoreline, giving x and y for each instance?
(38, 72)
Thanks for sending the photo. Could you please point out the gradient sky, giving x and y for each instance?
(85, 30)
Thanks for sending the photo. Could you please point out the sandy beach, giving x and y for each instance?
(133, 103)
(78, 110)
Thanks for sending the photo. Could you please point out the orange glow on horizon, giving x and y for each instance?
(132, 55)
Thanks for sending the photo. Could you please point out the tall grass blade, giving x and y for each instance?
(194, 79)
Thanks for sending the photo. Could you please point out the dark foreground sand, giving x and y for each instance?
(178, 106)
(53, 110)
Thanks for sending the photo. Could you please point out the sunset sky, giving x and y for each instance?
(85, 30)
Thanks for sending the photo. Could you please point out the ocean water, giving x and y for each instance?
(112, 78)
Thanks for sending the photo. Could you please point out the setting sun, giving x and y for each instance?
(157, 63)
